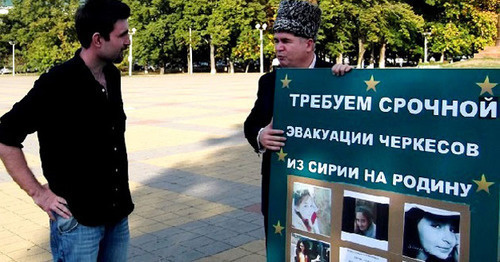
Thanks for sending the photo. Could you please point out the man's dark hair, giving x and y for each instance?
(98, 16)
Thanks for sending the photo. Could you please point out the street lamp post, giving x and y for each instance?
(426, 34)
(130, 60)
(264, 26)
(13, 43)
(190, 69)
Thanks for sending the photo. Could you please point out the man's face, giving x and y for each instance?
(119, 41)
(293, 51)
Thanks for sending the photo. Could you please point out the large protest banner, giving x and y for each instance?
(386, 165)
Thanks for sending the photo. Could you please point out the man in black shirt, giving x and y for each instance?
(295, 30)
(77, 111)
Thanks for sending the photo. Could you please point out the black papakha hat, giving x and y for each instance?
(297, 17)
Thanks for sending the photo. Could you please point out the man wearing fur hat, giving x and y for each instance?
(295, 31)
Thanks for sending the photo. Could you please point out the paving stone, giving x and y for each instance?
(228, 255)
(172, 250)
(240, 240)
(251, 258)
(138, 241)
(150, 257)
(214, 248)
(134, 251)
(187, 255)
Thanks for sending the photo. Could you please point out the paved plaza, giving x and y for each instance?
(194, 179)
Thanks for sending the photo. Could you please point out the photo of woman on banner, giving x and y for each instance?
(364, 223)
(431, 234)
(365, 219)
(302, 252)
(304, 249)
(311, 206)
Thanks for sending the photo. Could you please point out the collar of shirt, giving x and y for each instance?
(107, 69)
(313, 62)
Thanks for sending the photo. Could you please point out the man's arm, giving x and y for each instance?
(258, 125)
(15, 163)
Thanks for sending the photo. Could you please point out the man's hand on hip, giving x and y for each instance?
(50, 202)
(272, 139)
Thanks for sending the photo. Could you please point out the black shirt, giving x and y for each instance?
(80, 127)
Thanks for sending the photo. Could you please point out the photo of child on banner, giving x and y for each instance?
(431, 234)
(364, 223)
(304, 249)
(365, 219)
(311, 208)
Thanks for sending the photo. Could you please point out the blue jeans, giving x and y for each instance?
(71, 241)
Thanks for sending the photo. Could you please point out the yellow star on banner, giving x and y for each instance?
(286, 82)
(281, 155)
(370, 84)
(486, 86)
(278, 228)
(483, 184)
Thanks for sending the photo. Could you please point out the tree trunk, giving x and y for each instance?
(212, 58)
(361, 53)
(340, 58)
(231, 67)
(372, 58)
(247, 67)
(441, 60)
(381, 62)
(498, 31)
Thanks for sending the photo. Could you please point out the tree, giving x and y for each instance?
(44, 31)
(368, 30)
(335, 34)
(4, 46)
(245, 41)
(459, 27)
(154, 41)
(399, 28)
(222, 28)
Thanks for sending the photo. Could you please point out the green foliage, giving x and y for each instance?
(353, 26)
(45, 35)
(463, 26)
(154, 39)
(44, 32)
(337, 27)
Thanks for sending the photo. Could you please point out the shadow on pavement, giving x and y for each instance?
(199, 206)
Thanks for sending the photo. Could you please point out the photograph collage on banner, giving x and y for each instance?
(338, 222)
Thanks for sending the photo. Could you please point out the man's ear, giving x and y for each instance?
(97, 39)
(310, 45)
